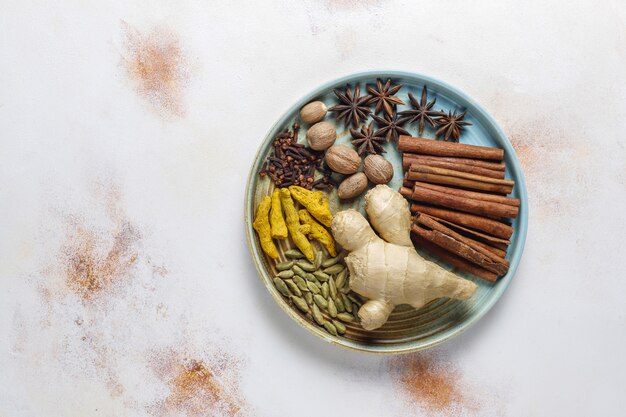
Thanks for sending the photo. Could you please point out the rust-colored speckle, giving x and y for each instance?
(433, 383)
(157, 66)
(199, 387)
(88, 272)
(558, 169)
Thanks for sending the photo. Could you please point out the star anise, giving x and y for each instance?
(421, 111)
(383, 96)
(451, 125)
(353, 107)
(366, 141)
(390, 126)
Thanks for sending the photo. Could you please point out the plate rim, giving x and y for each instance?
(503, 283)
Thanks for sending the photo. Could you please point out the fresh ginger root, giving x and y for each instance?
(296, 230)
(262, 226)
(318, 232)
(277, 221)
(390, 272)
(315, 202)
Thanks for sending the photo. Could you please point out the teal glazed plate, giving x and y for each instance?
(407, 329)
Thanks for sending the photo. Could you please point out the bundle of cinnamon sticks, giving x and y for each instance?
(459, 202)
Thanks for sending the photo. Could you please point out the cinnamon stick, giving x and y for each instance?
(492, 227)
(471, 169)
(409, 158)
(459, 182)
(458, 244)
(435, 147)
(498, 245)
(470, 194)
(452, 259)
(432, 223)
(468, 205)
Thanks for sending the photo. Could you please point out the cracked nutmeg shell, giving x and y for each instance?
(378, 169)
(313, 112)
(342, 159)
(321, 136)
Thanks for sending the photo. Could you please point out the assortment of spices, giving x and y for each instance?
(319, 289)
(387, 269)
(459, 194)
(456, 209)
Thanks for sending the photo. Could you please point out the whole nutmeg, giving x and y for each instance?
(378, 169)
(313, 112)
(352, 186)
(342, 159)
(321, 136)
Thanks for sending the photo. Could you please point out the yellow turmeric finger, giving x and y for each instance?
(262, 226)
(294, 226)
(277, 222)
(315, 202)
(318, 232)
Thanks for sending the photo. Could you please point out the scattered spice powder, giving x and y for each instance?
(433, 383)
(87, 272)
(199, 387)
(156, 65)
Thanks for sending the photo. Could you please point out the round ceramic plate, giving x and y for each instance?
(407, 329)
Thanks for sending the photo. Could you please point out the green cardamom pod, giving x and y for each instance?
(307, 266)
(283, 266)
(339, 303)
(321, 276)
(298, 271)
(301, 283)
(333, 288)
(317, 315)
(355, 300)
(281, 286)
(355, 314)
(294, 254)
(332, 308)
(308, 297)
(285, 274)
(335, 269)
(311, 277)
(345, 317)
(347, 303)
(320, 301)
(341, 279)
(293, 287)
(318, 260)
(300, 303)
(330, 328)
(341, 328)
(312, 287)
(325, 290)
(333, 261)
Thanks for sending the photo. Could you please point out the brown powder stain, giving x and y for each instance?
(558, 169)
(157, 66)
(87, 271)
(434, 384)
(199, 386)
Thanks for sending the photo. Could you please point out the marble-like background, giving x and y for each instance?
(128, 129)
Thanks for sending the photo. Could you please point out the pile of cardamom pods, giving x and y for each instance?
(320, 289)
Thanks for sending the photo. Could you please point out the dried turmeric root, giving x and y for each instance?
(315, 202)
(262, 226)
(296, 230)
(277, 222)
(318, 232)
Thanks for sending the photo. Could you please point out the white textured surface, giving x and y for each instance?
(80, 146)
